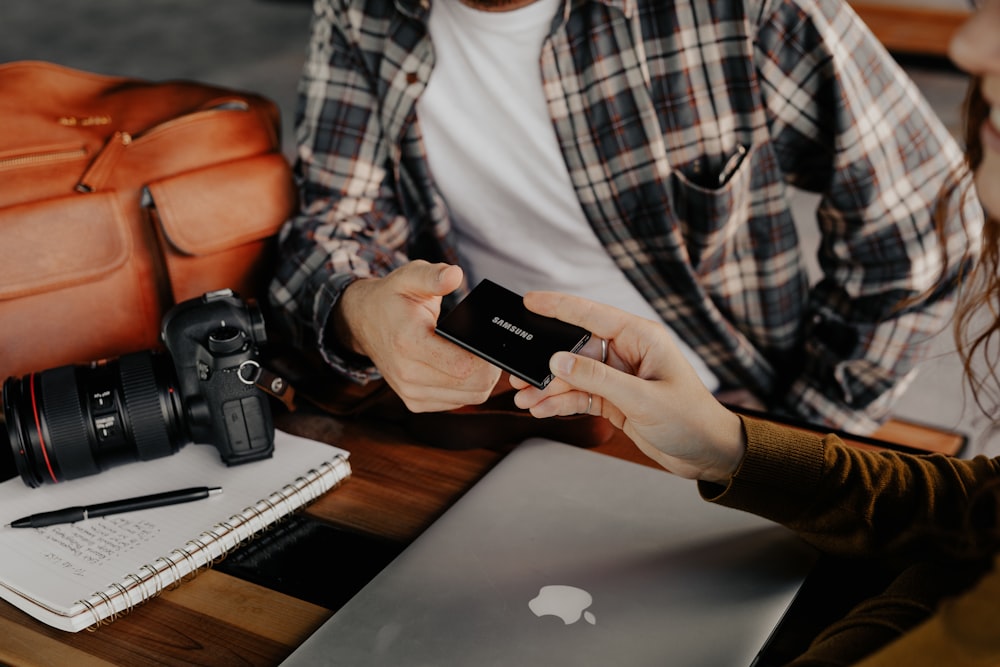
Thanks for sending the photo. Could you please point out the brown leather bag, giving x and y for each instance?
(120, 197)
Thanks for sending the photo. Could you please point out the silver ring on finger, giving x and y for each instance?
(590, 403)
(604, 350)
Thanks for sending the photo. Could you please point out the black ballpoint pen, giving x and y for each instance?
(73, 514)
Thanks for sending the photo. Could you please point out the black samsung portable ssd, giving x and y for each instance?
(493, 323)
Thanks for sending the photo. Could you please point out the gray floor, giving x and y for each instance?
(259, 45)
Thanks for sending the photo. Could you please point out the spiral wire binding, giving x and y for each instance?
(106, 599)
(153, 574)
(175, 573)
(98, 621)
(250, 516)
(187, 557)
(121, 590)
(137, 582)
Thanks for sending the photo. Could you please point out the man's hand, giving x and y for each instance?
(391, 321)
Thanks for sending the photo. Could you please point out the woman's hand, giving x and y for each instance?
(646, 388)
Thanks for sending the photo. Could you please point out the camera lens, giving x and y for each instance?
(74, 421)
(8, 468)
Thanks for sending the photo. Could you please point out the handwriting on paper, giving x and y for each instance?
(93, 542)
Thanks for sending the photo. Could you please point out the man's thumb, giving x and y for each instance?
(436, 279)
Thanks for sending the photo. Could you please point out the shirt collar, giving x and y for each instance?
(419, 9)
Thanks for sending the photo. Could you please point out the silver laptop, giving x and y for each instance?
(563, 556)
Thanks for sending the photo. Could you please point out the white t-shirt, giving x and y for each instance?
(495, 156)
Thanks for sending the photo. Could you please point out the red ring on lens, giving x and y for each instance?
(38, 429)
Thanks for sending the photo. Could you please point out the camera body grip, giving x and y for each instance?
(214, 341)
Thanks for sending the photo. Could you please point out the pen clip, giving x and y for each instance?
(732, 164)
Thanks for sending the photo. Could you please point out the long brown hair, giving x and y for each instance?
(976, 324)
(979, 297)
(980, 293)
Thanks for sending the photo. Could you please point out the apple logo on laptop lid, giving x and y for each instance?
(566, 602)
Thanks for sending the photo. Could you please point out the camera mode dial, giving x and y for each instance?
(225, 340)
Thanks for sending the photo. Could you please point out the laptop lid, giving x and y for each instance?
(563, 556)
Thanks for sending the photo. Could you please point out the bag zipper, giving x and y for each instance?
(41, 157)
(94, 177)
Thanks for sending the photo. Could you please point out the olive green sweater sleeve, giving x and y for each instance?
(858, 502)
(963, 632)
(851, 501)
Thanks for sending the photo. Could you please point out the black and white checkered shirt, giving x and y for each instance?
(683, 124)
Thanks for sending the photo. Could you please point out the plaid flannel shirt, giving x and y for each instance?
(682, 124)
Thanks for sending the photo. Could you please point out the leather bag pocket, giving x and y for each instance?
(217, 225)
(69, 289)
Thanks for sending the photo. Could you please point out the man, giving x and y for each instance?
(633, 152)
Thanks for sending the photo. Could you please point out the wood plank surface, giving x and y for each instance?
(911, 30)
(416, 481)
(397, 489)
(213, 619)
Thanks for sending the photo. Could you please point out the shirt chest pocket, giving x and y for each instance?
(712, 205)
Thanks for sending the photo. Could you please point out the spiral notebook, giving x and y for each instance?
(74, 576)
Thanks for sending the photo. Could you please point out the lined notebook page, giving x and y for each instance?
(74, 575)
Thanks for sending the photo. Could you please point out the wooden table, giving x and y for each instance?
(397, 489)
(912, 29)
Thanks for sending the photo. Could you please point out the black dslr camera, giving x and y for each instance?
(73, 421)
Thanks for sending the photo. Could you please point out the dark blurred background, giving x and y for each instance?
(256, 45)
